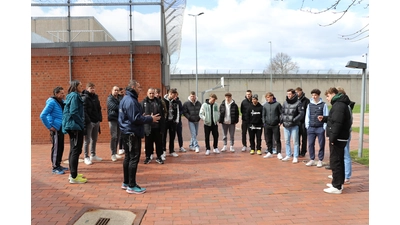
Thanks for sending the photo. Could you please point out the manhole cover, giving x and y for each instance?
(90, 216)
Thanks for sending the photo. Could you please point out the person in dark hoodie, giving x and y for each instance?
(347, 158)
(338, 132)
(131, 122)
(255, 125)
(228, 117)
(191, 109)
(271, 117)
(93, 117)
(51, 117)
(172, 120)
(243, 108)
(292, 113)
(302, 128)
(153, 132)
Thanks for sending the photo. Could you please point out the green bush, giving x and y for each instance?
(364, 160)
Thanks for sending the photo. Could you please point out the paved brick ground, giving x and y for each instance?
(226, 188)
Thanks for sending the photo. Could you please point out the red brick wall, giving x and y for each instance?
(104, 71)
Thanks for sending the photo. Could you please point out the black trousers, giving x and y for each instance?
(302, 139)
(336, 162)
(132, 146)
(244, 133)
(213, 129)
(170, 127)
(179, 133)
(154, 138)
(255, 135)
(273, 133)
(57, 148)
(76, 144)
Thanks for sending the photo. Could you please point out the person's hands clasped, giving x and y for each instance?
(156, 117)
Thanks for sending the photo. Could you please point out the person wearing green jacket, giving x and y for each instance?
(209, 113)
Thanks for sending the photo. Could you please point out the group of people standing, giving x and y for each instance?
(155, 117)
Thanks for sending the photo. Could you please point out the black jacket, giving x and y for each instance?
(292, 112)
(91, 105)
(154, 107)
(271, 115)
(234, 112)
(339, 119)
(254, 115)
(244, 106)
(191, 110)
(112, 107)
(305, 101)
(172, 108)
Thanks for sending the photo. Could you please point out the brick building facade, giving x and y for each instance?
(104, 66)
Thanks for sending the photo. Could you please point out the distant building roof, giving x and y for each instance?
(36, 38)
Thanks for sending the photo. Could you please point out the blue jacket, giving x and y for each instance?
(73, 115)
(130, 116)
(52, 113)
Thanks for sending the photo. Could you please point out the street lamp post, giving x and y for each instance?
(363, 66)
(270, 70)
(195, 24)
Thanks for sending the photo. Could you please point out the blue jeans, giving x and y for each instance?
(194, 128)
(347, 160)
(294, 133)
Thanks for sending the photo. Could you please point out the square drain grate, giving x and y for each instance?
(97, 216)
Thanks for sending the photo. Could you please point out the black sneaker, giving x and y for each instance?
(159, 161)
(147, 160)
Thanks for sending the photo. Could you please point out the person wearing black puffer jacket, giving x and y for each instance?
(228, 117)
(292, 113)
(191, 109)
(338, 132)
(93, 117)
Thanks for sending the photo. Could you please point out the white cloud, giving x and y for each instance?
(234, 34)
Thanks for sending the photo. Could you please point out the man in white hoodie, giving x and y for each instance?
(316, 128)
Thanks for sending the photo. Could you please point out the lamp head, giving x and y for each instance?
(356, 65)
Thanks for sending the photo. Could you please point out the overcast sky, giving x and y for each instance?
(234, 35)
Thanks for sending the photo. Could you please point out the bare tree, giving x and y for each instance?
(282, 64)
(341, 7)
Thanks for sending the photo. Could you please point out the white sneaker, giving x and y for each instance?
(295, 160)
(310, 163)
(268, 155)
(232, 149)
(207, 152)
(331, 186)
(279, 156)
(197, 150)
(244, 148)
(330, 177)
(191, 148)
(95, 158)
(223, 148)
(332, 190)
(151, 157)
(163, 156)
(287, 158)
(121, 151)
(216, 151)
(113, 158)
(182, 149)
(88, 161)
(319, 164)
(174, 154)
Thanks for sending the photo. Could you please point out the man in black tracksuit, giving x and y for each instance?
(338, 132)
(171, 120)
(255, 125)
(302, 127)
(243, 108)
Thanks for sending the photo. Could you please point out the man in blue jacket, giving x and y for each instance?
(131, 122)
(51, 117)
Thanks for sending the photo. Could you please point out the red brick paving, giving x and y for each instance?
(227, 188)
